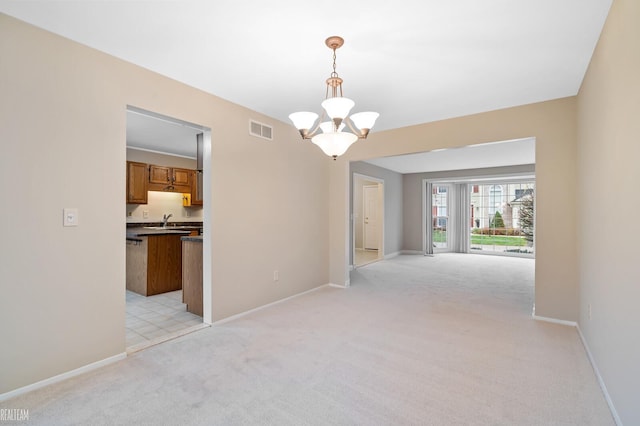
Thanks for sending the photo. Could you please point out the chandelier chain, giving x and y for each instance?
(334, 73)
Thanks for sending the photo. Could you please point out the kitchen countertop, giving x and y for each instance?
(193, 238)
(169, 225)
(143, 232)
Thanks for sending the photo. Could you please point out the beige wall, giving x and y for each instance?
(63, 127)
(553, 124)
(608, 202)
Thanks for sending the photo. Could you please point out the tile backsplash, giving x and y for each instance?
(161, 203)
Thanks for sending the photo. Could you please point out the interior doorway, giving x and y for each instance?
(370, 217)
(368, 220)
(184, 146)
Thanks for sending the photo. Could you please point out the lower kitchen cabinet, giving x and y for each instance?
(154, 264)
(192, 274)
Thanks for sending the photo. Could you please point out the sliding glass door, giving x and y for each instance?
(440, 216)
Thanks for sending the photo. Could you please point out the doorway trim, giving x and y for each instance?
(380, 226)
(207, 314)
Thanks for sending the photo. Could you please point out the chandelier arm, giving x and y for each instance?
(361, 134)
(309, 134)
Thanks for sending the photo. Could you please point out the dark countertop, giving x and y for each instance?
(145, 229)
(193, 238)
(194, 225)
(143, 232)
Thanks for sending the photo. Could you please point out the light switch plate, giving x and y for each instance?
(70, 217)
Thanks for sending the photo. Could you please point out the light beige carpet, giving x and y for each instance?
(444, 340)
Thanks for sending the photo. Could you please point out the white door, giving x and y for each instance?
(370, 217)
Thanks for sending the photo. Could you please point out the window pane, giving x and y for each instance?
(439, 212)
(502, 218)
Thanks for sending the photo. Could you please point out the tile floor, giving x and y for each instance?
(153, 317)
(365, 256)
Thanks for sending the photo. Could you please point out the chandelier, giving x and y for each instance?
(333, 140)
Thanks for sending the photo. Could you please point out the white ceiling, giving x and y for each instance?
(153, 132)
(494, 154)
(413, 61)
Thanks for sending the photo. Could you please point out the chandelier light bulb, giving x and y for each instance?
(338, 107)
(364, 120)
(334, 144)
(303, 120)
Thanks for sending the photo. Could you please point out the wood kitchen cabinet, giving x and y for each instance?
(137, 183)
(192, 274)
(154, 264)
(170, 179)
(196, 188)
(182, 177)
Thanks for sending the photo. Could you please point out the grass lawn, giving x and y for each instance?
(498, 240)
(440, 236)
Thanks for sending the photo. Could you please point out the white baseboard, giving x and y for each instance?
(555, 321)
(603, 387)
(412, 252)
(173, 335)
(392, 255)
(592, 361)
(259, 308)
(337, 286)
(63, 376)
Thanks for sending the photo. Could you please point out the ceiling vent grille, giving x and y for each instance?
(260, 130)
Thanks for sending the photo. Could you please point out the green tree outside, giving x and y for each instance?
(497, 221)
(526, 218)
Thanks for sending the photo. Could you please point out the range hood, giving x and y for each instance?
(199, 152)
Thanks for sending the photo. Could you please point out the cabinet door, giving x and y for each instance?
(160, 175)
(136, 183)
(196, 188)
(182, 177)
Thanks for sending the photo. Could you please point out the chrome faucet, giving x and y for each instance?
(165, 219)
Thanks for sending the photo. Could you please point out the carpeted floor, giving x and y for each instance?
(444, 340)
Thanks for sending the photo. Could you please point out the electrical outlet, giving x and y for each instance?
(276, 275)
(145, 214)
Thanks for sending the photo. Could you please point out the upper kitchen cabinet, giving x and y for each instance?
(170, 179)
(196, 188)
(137, 183)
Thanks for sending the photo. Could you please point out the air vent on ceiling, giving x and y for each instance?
(260, 130)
